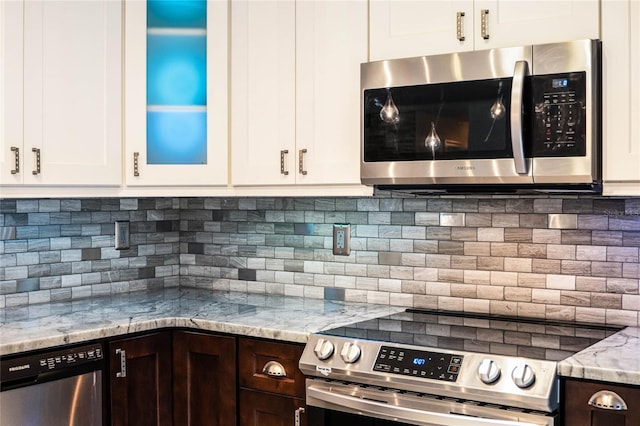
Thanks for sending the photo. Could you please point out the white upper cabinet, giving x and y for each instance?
(504, 23)
(328, 89)
(295, 111)
(621, 108)
(176, 113)
(61, 92)
(12, 151)
(406, 28)
(263, 97)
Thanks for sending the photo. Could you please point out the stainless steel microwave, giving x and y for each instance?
(523, 117)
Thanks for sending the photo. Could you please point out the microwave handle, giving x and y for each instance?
(517, 95)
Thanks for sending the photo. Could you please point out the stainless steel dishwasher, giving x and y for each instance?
(60, 387)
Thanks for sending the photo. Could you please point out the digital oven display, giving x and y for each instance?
(411, 362)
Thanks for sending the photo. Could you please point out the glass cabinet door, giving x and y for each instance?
(176, 92)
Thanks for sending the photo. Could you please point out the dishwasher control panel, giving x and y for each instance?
(22, 367)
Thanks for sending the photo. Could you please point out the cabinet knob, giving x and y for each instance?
(274, 369)
(608, 400)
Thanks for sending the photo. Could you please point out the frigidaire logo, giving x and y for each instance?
(465, 167)
(19, 367)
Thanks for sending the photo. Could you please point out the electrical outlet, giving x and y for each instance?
(122, 235)
(341, 239)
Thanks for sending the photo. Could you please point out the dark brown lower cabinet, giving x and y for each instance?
(204, 377)
(266, 409)
(578, 412)
(173, 378)
(141, 380)
(271, 384)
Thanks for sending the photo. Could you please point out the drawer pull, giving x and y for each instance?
(274, 369)
(608, 400)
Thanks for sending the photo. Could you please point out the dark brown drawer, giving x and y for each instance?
(254, 355)
(578, 412)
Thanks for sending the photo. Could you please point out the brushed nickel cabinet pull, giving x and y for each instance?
(297, 414)
(36, 169)
(459, 26)
(123, 363)
(608, 400)
(16, 155)
(136, 170)
(484, 23)
(274, 369)
(301, 169)
(282, 169)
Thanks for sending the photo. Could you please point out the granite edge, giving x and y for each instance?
(615, 359)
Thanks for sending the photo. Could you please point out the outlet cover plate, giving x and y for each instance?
(341, 239)
(122, 235)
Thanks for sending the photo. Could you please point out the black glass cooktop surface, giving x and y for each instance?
(530, 338)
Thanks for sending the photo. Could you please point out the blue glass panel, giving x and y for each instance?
(176, 137)
(176, 70)
(177, 14)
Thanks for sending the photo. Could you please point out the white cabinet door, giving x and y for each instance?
(621, 108)
(61, 98)
(145, 171)
(331, 42)
(72, 91)
(11, 101)
(263, 100)
(522, 22)
(295, 115)
(407, 28)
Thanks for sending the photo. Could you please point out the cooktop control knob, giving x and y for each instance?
(488, 371)
(323, 349)
(523, 376)
(350, 352)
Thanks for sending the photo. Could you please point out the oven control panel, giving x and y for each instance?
(417, 363)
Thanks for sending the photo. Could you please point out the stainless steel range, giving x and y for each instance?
(435, 368)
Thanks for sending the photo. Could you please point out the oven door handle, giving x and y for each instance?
(354, 405)
(517, 96)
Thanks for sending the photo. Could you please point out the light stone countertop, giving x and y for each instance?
(615, 359)
(283, 318)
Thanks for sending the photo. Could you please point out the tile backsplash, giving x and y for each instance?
(570, 258)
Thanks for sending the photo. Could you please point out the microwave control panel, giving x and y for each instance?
(559, 120)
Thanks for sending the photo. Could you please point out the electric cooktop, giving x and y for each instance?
(488, 334)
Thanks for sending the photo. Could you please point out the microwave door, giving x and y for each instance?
(460, 132)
